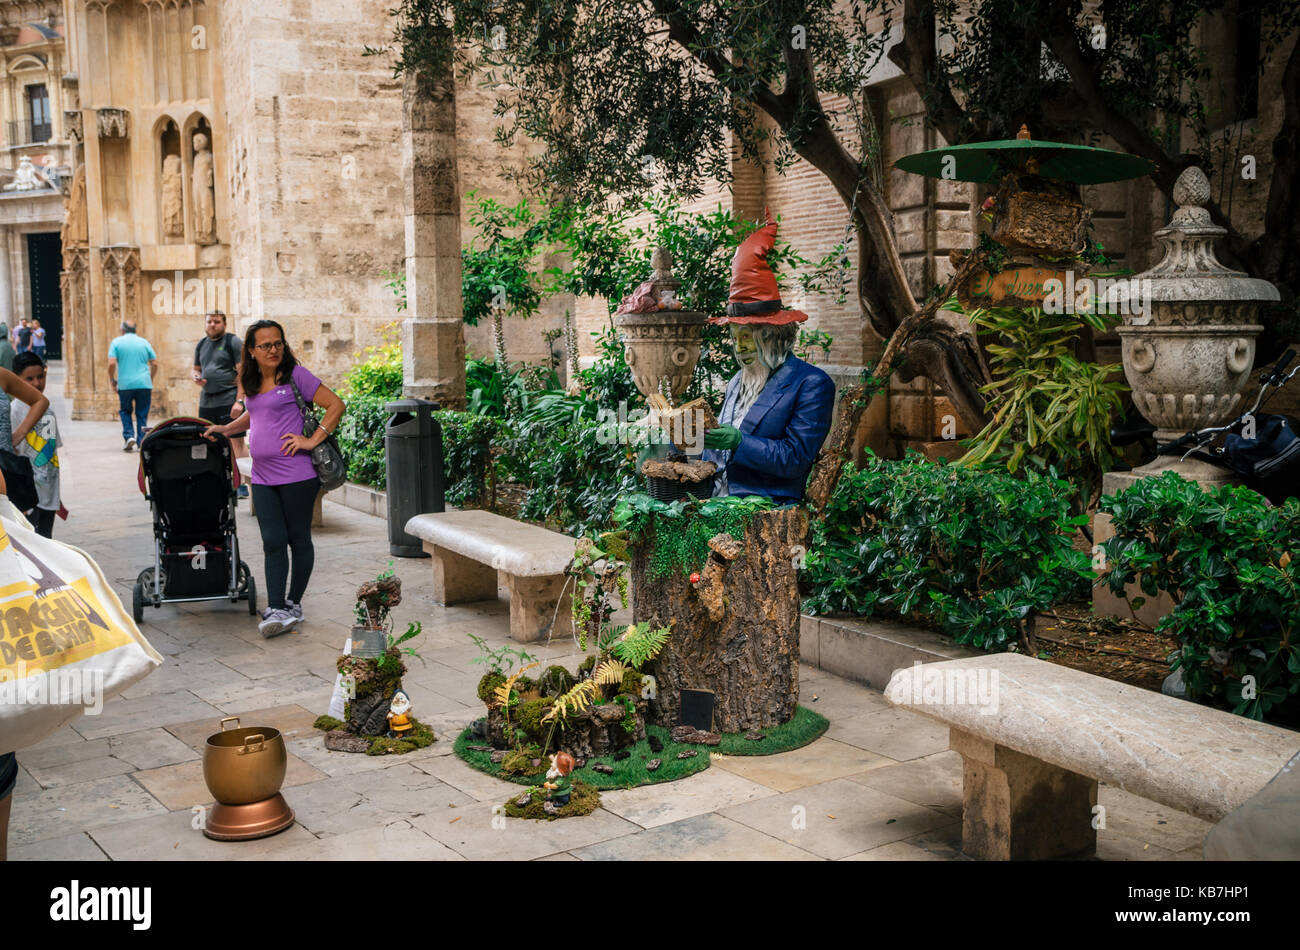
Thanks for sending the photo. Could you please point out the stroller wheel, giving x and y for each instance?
(137, 602)
(248, 587)
(145, 582)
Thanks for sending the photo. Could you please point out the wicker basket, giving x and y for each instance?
(669, 489)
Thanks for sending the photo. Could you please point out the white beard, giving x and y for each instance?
(752, 380)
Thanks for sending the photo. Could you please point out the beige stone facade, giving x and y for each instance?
(35, 165)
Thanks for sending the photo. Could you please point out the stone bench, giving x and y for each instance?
(470, 548)
(1036, 738)
(245, 465)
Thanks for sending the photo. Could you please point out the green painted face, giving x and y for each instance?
(744, 344)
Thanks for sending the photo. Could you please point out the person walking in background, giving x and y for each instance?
(285, 484)
(216, 373)
(40, 445)
(7, 352)
(132, 366)
(38, 339)
(23, 337)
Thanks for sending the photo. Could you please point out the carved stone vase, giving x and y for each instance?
(1188, 357)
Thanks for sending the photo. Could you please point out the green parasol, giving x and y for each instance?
(989, 161)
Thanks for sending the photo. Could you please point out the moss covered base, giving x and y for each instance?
(806, 727)
(583, 801)
(338, 740)
(626, 773)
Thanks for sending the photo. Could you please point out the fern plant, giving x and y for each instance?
(639, 644)
(502, 696)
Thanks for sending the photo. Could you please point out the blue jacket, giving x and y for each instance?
(781, 434)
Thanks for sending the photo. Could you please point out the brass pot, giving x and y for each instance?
(242, 766)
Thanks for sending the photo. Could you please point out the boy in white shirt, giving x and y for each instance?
(41, 446)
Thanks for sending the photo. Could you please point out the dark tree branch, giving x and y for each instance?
(917, 57)
(1062, 40)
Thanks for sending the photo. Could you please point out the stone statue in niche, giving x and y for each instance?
(205, 211)
(74, 219)
(173, 209)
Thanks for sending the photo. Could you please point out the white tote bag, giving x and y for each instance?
(66, 642)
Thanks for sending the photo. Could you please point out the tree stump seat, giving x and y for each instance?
(1036, 737)
(472, 550)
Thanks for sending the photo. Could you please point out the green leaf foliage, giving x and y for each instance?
(680, 530)
(975, 551)
(1227, 558)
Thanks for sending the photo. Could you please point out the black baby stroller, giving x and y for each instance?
(191, 484)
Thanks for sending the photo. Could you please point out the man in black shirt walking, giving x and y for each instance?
(216, 369)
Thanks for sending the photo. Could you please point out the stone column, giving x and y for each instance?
(6, 283)
(433, 336)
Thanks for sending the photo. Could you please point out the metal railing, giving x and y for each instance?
(24, 132)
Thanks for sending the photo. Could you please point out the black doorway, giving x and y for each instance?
(44, 261)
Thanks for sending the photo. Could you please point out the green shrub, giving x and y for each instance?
(1227, 559)
(574, 479)
(974, 550)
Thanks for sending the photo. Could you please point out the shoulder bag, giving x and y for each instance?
(327, 458)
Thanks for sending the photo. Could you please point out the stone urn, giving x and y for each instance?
(660, 342)
(1189, 356)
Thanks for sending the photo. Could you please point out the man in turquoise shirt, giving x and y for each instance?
(132, 365)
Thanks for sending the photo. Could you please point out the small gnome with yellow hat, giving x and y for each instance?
(777, 409)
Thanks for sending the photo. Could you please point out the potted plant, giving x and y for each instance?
(372, 622)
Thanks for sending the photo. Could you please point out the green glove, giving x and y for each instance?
(723, 437)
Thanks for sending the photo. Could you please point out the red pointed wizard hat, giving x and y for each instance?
(755, 297)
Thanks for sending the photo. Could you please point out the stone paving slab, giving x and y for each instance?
(838, 818)
(78, 770)
(398, 841)
(942, 844)
(293, 721)
(182, 786)
(373, 800)
(702, 838)
(172, 836)
(896, 733)
(121, 716)
(481, 832)
(811, 765)
(934, 781)
(653, 805)
(74, 846)
(312, 751)
(84, 806)
(150, 748)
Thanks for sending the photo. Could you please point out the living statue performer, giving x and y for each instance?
(777, 409)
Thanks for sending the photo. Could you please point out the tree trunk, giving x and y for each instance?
(736, 632)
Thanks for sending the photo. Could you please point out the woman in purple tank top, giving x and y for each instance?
(284, 480)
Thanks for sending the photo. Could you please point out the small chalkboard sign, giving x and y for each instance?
(695, 708)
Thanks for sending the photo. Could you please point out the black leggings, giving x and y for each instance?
(284, 518)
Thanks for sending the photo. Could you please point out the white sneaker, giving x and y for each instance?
(275, 621)
(295, 609)
(130, 446)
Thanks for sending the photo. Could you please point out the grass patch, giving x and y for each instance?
(805, 727)
(628, 773)
(583, 801)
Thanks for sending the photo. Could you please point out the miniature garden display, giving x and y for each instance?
(377, 716)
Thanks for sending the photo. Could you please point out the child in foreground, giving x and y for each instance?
(41, 446)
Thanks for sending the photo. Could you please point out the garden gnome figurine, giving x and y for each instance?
(777, 409)
(399, 715)
(557, 785)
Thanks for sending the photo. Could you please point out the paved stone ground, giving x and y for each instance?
(880, 785)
